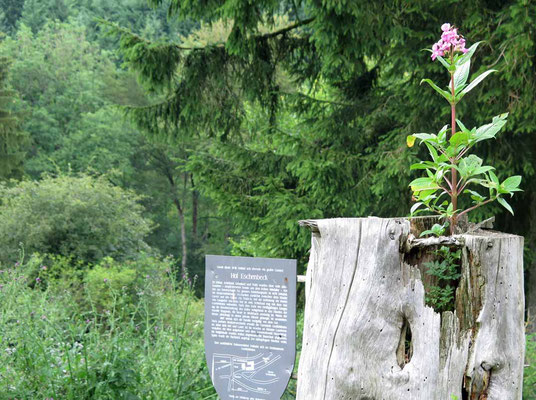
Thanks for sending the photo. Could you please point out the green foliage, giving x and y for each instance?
(445, 270)
(306, 106)
(54, 346)
(76, 126)
(59, 76)
(10, 12)
(103, 143)
(436, 230)
(82, 217)
(13, 140)
(106, 279)
(111, 279)
(529, 377)
(36, 13)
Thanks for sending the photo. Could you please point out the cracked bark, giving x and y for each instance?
(363, 292)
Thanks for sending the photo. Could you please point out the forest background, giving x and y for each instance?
(163, 131)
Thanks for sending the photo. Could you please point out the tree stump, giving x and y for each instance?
(368, 334)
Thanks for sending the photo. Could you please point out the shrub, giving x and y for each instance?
(110, 279)
(80, 217)
(54, 347)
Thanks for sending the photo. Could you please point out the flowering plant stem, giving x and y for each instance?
(454, 173)
(450, 152)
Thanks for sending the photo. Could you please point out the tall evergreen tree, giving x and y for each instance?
(12, 139)
(334, 86)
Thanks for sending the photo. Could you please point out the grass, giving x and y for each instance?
(529, 378)
(52, 345)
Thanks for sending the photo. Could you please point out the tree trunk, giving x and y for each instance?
(195, 201)
(368, 334)
(182, 224)
(183, 242)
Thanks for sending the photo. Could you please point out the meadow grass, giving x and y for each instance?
(57, 344)
(529, 379)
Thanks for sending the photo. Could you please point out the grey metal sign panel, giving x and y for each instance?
(250, 325)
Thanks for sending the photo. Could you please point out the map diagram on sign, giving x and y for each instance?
(245, 374)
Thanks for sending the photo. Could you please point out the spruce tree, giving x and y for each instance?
(303, 106)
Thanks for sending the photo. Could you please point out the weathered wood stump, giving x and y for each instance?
(365, 293)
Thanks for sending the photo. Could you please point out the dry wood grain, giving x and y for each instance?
(362, 292)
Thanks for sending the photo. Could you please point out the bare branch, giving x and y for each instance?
(412, 242)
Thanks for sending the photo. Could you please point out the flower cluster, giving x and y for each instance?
(450, 41)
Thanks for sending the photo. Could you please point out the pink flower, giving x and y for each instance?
(459, 45)
(449, 36)
(438, 49)
(450, 41)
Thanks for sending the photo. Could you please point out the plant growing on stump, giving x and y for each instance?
(452, 171)
(445, 268)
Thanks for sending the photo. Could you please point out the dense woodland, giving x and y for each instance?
(137, 130)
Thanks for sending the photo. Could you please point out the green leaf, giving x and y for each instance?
(423, 165)
(467, 56)
(482, 170)
(420, 184)
(442, 92)
(494, 178)
(475, 195)
(475, 82)
(425, 136)
(433, 152)
(445, 63)
(461, 74)
(505, 204)
(459, 138)
(489, 131)
(415, 207)
(442, 135)
(512, 183)
(462, 126)
(426, 195)
(436, 230)
(468, 165)
(484, 182)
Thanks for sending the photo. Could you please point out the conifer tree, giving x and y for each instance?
(304, 105)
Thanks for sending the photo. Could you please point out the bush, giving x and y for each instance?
(80, 217)
(54, 347)
(111, 279)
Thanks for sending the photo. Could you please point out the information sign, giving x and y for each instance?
(250, 325)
